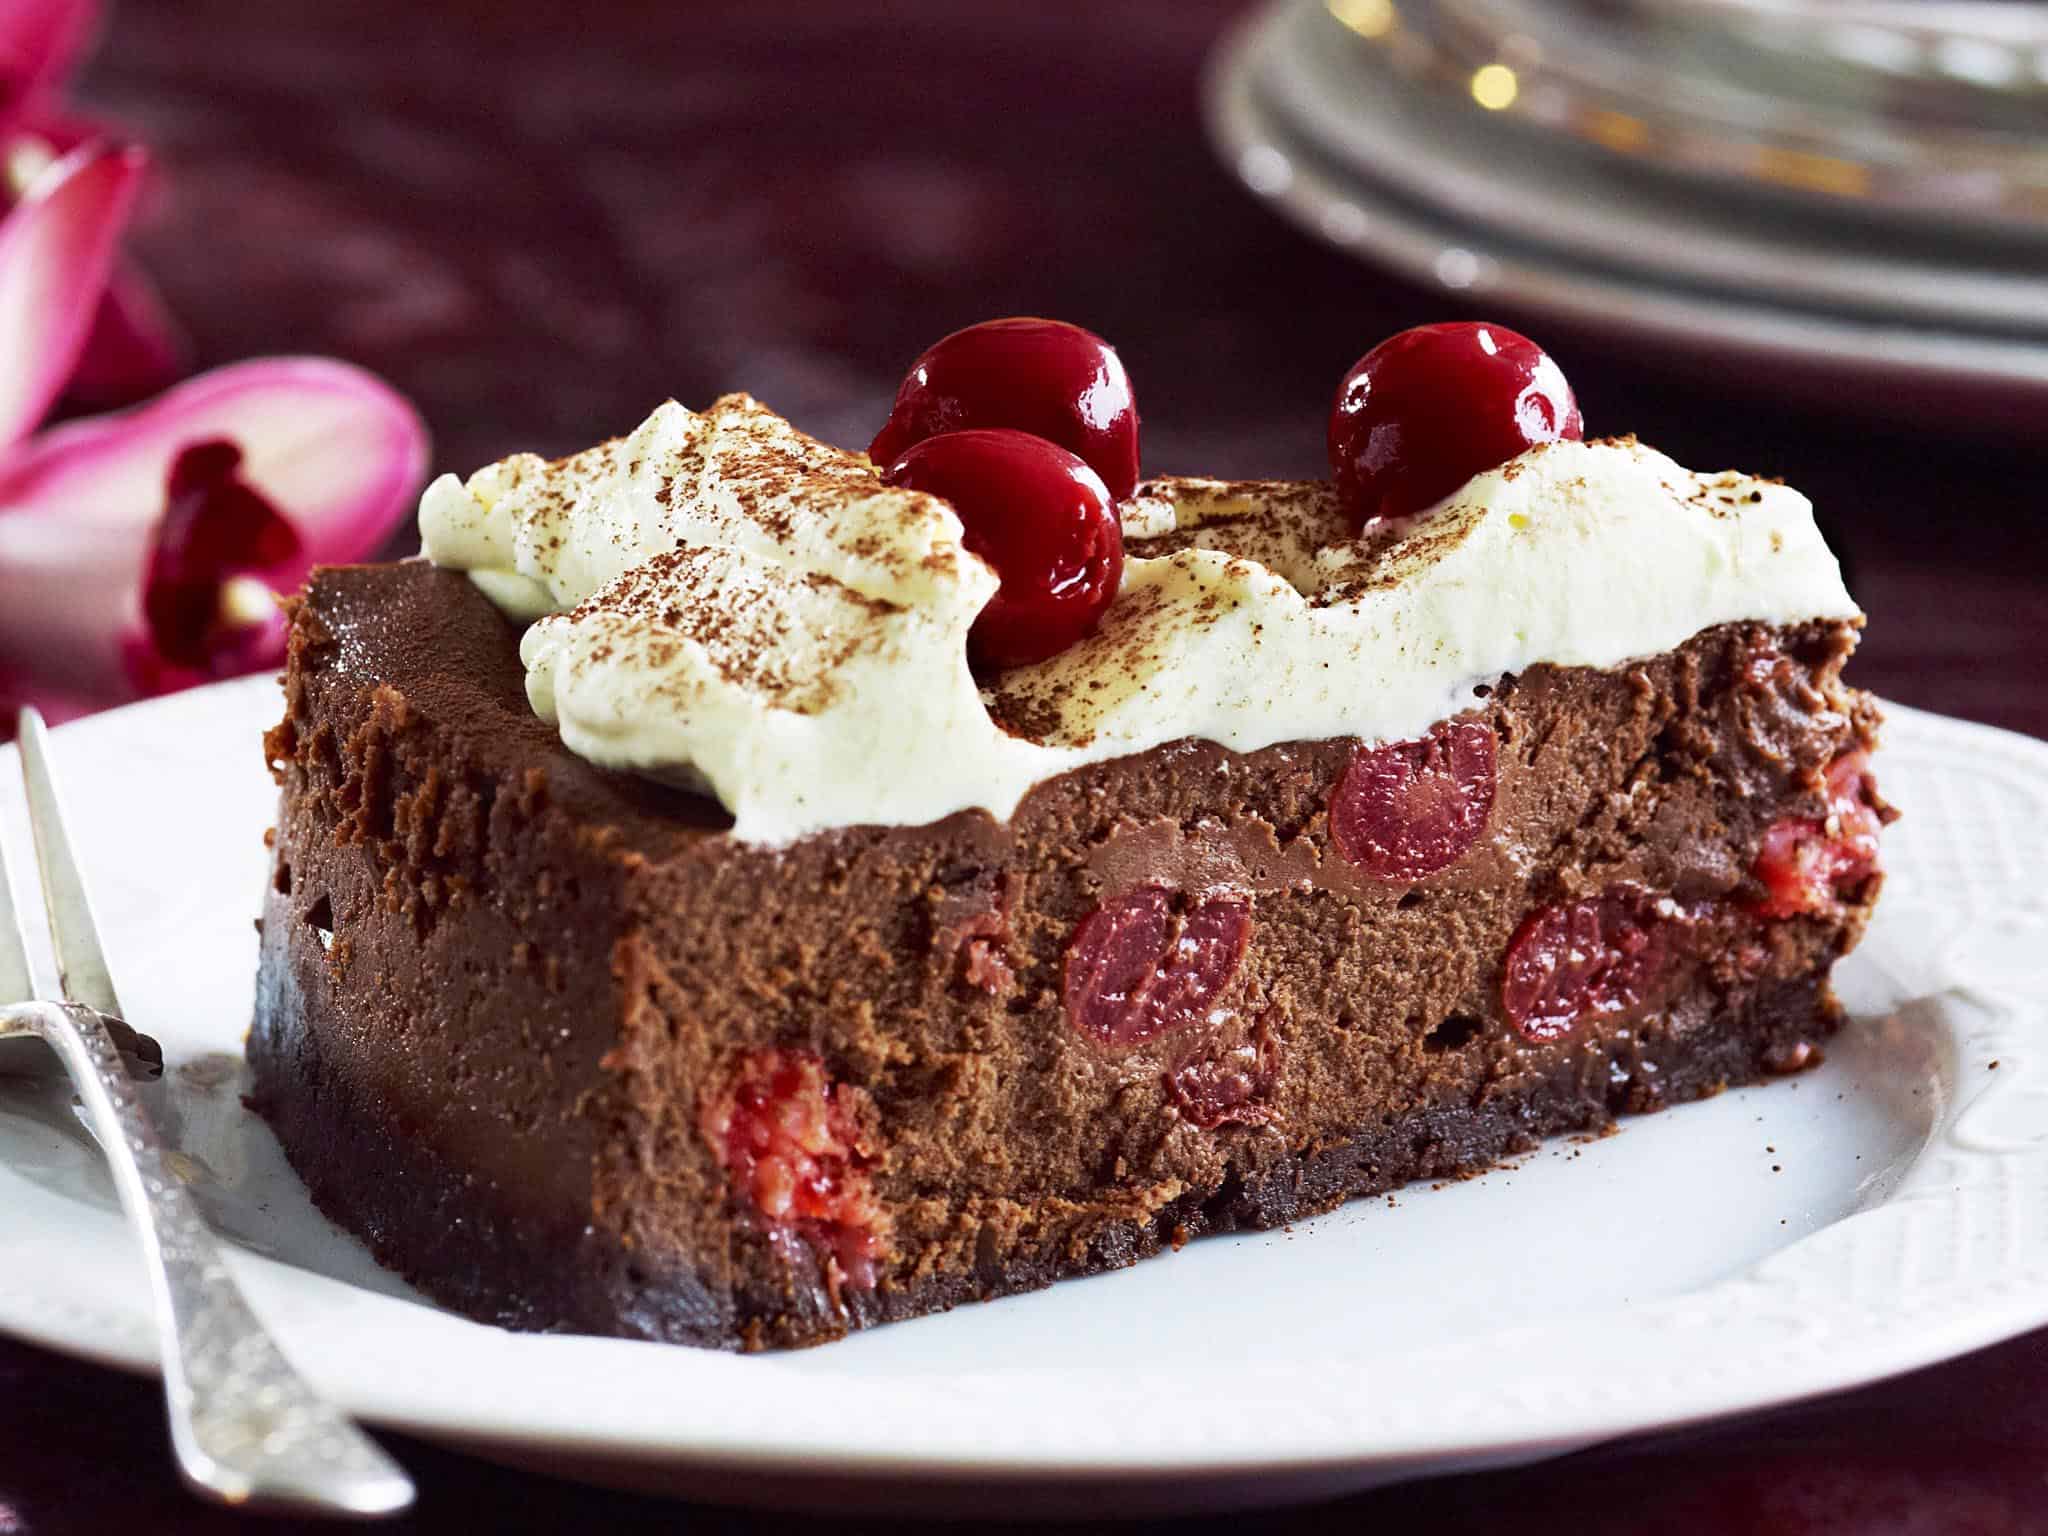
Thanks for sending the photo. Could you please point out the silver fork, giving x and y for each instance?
(246, 1427)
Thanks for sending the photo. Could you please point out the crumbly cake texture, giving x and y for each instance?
(569, 1056)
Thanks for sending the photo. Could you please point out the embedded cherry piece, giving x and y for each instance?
(971, 933)
(1807, 865)
(1599, 955)
(1045, 377)
(1143, 964)
(786, 1137)
(1407, 809)
(1231, 1088)
(1425, 411)
(216, 527)
(1043, 519)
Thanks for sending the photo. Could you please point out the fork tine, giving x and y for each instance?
(81, 964)
(17, 983)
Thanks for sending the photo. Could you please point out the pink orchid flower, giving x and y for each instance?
(39, 42)
(139, 552)
(134, 347)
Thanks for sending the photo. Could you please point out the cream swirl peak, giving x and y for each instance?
(723, 602)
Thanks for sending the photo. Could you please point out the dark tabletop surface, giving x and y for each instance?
(541, 219)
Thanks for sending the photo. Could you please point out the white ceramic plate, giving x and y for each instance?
(1887, 1210)
(1315, 124)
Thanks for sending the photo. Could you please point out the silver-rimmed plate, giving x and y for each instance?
(1492, 219)
(1726, 94)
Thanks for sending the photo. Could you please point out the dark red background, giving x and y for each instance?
(539, 220)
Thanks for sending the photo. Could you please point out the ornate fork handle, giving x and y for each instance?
(246, 1426)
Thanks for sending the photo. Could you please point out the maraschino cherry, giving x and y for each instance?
(1425, 411)
(1043, 518)
(1406, 809)
(1148, 962)
(1809, 865)
(1045, 377)
(1598, 955)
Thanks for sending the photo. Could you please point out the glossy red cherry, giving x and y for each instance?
(1045, 377)
(1425, 411)
(1043, 519)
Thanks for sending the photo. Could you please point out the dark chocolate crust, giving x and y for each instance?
(498, 983)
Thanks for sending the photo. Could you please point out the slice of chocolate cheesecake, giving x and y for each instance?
(671, 936)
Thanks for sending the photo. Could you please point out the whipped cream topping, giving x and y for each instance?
(725, 603)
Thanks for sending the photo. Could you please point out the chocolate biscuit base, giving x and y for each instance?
(501, 989)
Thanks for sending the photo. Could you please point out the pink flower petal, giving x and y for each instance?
(333, 449)
(56, 252)
(39, 42)
(60, 130)
(134, 347)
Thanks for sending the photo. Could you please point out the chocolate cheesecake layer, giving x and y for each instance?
(569, 1056)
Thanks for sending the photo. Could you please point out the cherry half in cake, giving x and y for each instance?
(711, 953)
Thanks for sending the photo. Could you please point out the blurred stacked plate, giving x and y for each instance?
(1850, 189)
